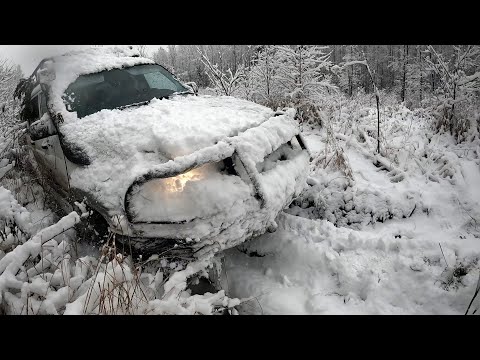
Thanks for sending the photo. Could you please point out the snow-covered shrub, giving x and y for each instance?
(456, 108)
(451, 278)
(14, 221)
(332, 197)
(44, 275)
(263, 77)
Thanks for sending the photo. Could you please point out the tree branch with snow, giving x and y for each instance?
(225, 82)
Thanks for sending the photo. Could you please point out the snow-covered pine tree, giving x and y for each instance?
(262, 77)
(303, 76)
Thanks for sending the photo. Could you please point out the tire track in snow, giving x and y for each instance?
(312, 267)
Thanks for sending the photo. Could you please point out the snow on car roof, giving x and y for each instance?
(69, 66)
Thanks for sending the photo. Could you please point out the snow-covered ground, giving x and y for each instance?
(401, 237)
(385, 256)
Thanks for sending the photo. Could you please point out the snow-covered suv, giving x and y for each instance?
(162, 165)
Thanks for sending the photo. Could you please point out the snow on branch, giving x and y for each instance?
(377, 94)
(14, 260)
(226, 82)
(459, 80)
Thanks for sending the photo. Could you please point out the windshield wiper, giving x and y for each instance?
(132, 105)
(148, 101)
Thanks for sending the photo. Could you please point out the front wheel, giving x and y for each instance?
(93, 230)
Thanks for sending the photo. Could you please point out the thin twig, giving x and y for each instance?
(474, 296)
(443, 254)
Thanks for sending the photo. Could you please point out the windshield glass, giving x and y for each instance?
(119, 87)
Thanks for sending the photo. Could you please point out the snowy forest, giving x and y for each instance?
(387, 221)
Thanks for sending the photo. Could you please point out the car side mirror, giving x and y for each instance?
(193, 85)
(46, 74)
(42, 128)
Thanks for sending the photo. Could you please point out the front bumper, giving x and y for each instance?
(272, 190)
(251, 219)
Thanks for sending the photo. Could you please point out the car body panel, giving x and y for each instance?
(129, 147)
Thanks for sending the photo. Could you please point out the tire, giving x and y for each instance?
(93, 230)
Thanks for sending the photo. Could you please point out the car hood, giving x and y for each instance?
(169, 137)
(166, 128)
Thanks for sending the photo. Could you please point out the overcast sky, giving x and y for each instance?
(28, 56)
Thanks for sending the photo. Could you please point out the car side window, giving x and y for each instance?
(32, 111)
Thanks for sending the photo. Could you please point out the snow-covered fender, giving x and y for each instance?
(250, 147)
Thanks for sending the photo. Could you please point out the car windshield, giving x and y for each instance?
(119, 87)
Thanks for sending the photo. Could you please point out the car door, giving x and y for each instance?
(39, 139)
(46, 144)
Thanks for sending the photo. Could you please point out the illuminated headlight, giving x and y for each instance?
(175, 184)
(198, 193)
